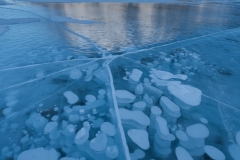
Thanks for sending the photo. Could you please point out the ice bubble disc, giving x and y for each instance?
(198, 131)
(214, 153)
(181, 135)
(108, 128)
(71, 97)
(90, 98)
(50, 127)
(234, 151)
(182, 154)
(139, 137)
(238, 138)
(75, 74)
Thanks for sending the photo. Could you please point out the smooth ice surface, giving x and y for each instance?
(3, 29)
(39, 154)
(140, 137)
(214, 153)
(182, 154)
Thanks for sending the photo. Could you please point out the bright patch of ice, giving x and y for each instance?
(187, 94)
(3, 29)
(75, 74)
(167, 75)
(182, 154)
(38, 154)
(214, 153)
(70, 20)
(197, 131)
(17, 21)
(71, 97)
(139, 137)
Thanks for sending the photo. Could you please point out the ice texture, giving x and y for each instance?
(39, 154)
(139, 137)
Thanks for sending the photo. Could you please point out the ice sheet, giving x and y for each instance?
(91, 102)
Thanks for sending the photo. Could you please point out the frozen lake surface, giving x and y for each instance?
(102, 81)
